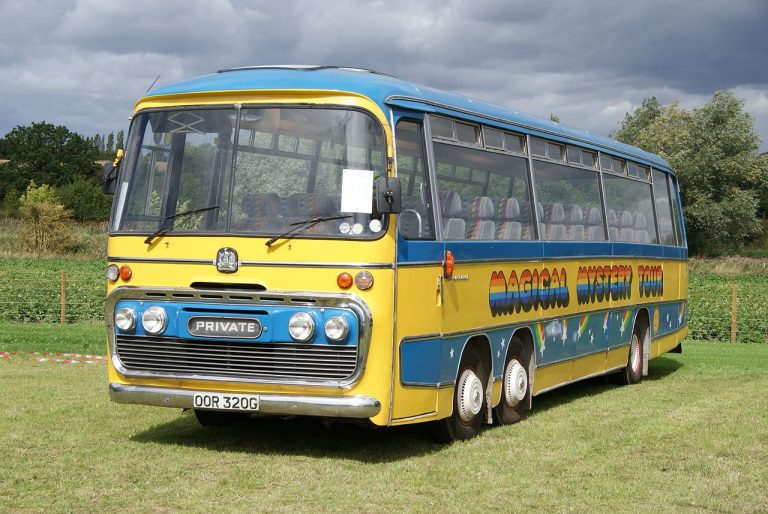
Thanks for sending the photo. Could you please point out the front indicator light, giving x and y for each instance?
(344, 280)
(154, 320)
(125, 319)
(336, 328)
(301, 326)
(364, 280)
(125, 272)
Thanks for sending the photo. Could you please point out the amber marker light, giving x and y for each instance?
(344, 280)
(448, 264)
(125, 272)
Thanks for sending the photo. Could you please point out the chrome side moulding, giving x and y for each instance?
(358, 407)
(230, 297)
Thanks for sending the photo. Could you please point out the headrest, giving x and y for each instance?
(451, 203)
(625, 219)
(573, 214)
(481, 207)
(509, 208)
(593, 216)
(263, 204)
(640, 221)
(555, 213)
(613, 220)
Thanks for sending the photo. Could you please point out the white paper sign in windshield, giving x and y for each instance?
(357, 191)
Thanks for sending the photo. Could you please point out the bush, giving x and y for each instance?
(85, 199)
(45, 223)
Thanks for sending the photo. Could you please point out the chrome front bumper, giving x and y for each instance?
(333, 406)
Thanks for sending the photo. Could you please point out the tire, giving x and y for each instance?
(633, 371)
(213, 418)
(516, 386)
(468, 401)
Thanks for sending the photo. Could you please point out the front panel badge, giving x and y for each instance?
(226, 260)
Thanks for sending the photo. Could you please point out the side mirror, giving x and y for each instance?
(109, 179)
(388, 195)
(109, 176)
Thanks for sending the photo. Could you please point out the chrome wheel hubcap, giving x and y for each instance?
(470, 395)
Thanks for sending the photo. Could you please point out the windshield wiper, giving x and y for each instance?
(163, 228)
(301, 226)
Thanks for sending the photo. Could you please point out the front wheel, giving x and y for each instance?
(468, 401)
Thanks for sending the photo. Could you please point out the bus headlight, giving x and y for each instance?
(301, 327)
(154, 320)
(125, 319)
(336, 328)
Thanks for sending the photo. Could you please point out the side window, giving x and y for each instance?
(663, 208)
(630, 210)
(482, 195)
(569, 204)
(677, 214)
(415, 220)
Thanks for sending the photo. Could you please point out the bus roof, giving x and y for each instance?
(386, 91)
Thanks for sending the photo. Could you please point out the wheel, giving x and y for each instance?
(468, 401)
(516, 390)
(213, 418)
(633, 371)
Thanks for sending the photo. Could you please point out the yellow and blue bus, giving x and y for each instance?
(336, 242)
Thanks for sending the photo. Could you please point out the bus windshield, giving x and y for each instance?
(252, 171)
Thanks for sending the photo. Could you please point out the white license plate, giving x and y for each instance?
(226, 401)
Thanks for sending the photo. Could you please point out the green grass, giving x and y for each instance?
(89, 338)
(692, 437)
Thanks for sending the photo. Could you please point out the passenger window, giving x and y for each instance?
(415, 219)
(630, 210)
(677, 215)
(569, 203)
(482, 195)
(663, 208)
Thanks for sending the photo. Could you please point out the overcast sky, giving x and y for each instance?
(83, 63)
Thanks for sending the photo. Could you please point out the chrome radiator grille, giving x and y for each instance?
(236, 359)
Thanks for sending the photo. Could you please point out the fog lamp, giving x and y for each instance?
(336, 328)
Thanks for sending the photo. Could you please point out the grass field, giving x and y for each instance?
(692, 437)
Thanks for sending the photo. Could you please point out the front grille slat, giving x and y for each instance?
(236, 359)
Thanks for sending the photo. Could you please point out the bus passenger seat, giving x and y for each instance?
(508, 229)
(626, 233)
(411, 221)
(450, 207)
(554, 229)
(480, 213)
(574, 217)
(262, 210)
(641, 233)
(303, 206)
(613, 233)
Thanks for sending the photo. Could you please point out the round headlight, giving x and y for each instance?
(113, 273)
(336, 328)
(154, 320)
(125, 319)
(301, 327)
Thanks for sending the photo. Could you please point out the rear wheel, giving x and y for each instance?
(515, 397)
(468, 401)
(633, 371)
(212, 418)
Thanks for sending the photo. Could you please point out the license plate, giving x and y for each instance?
(226, 401)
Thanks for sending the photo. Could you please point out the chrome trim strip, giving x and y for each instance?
(414, 418)
(369, 265)
(331, 406)
(418, 264)
(150, 260)
(574, 359)
(525, 126)
(271, 298)
(593, 375)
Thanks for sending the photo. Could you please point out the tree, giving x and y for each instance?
(110, 143)
(120, 140)
(47, 154)
(45, 223)
(713, 149)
